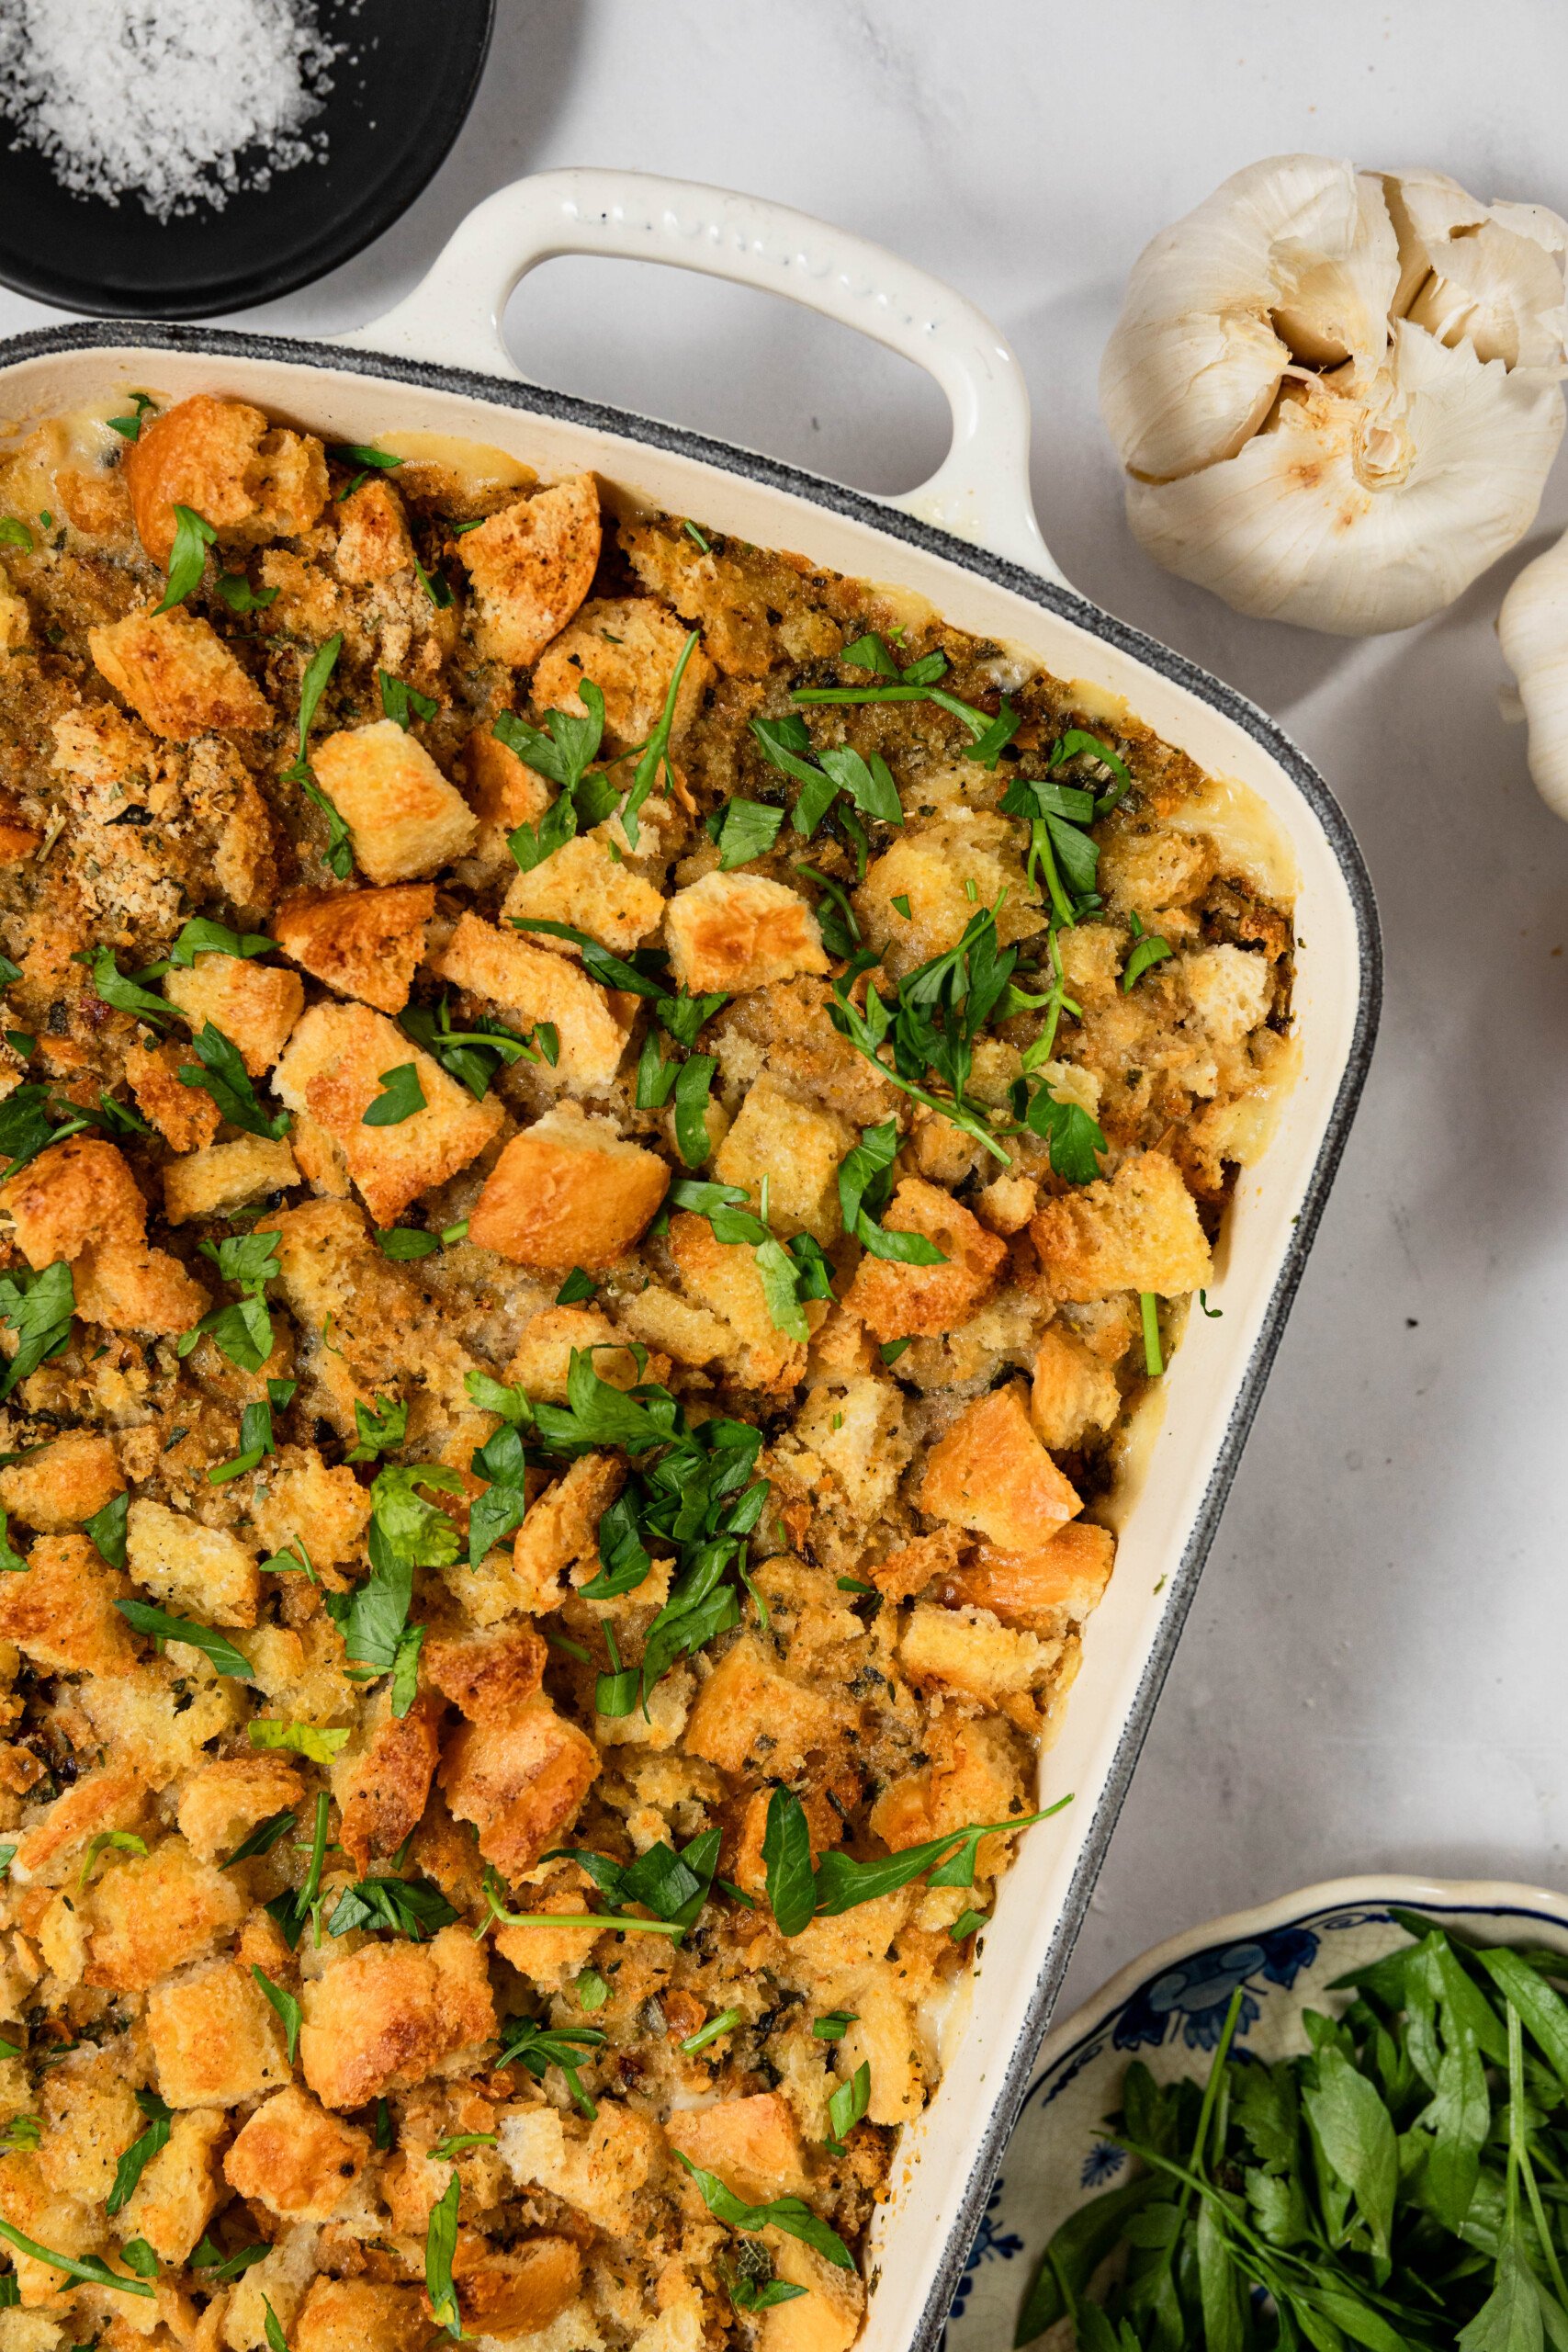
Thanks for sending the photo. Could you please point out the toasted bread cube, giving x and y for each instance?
(503, 791)
(521, 1778)
(216, 2038)
(883, 2037)
(197, 1571)
(826, 2317)
(753, 2144)
(740, 931)
(295, 2158)
(255, 1005)
(89, 2116)
(582, 884)
(222, 1803)
(186, 1116)
(975, 1774)
(58, 2223)
(373, 541)
(723, 1275)
(1229, 989)
(155, 1910)
(328, 1510)
(855, 1429)
(530, 568)
(487, 1673)
(61, 1614)
(71, 1196)
(332, 1071)
(1139, 1231)
(542, 1364)
(799, 1147)
(562, 1528)
(1145, 873)
(250, 480)
(391, 2014)
(628, 646)
(178, 675)
(363, 943)
(946, 874)
(751, 1716)
(156, 1721)
(382, 1786)
(405, 819)
(599, 2173)
(568, 1191)
(531, 986)
(1074, 1391)
(129, 1287)
(1043, 1591)
(51, 1846)
(991, 1473)
(660, 1319)
(517, 2293)
(61, 1484)
(226, 1177)
(899, 1302)
(361, 2315)
(179, 2189)
(909, 1568)
(970, 1651)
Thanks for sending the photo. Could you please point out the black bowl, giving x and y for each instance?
(399, 101)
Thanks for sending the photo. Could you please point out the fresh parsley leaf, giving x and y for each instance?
(577, 1286)
(400, 1097)
(656, 751)
(748, 828)
(440, 2244)
(284, 2002)
(239, 596)
(15, 534)
(91, 2269)
(834, 2025)
(338, 855)
(847, 2105)
(12, 1562)
(273, 2328)
(242, 1331)
(786, 1855)
(202, 936)
(525, 2043)
(380, 1428)
(187, 557)
(399, 700)
(499, 1510)
(1074, 745)
(125, 995)
(39, 1308)
(790, 2214)
(218, 2269)
(401, 1242)
(835, 918)
(315, 1746)
(312, 687)
(220, 1072)
(365, 461)
(256, 1439)
(130, 427)
(692, 1088)
(126, 1840)
(398, 1907)
(474, 1055)
(566, 746)
(725, 2022)
(164, 1626)
(491, 1396)
(1075, 1140)
(1148, 1312)
(106, 1528)
(436, 585)
(1148, 948)
(262, 1839)
(142, 2151)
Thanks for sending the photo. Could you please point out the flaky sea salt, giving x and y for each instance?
(175, 102)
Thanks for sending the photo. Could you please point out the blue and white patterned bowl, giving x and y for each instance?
(1168, 2008)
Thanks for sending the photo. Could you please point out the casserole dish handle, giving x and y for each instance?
(981, 491)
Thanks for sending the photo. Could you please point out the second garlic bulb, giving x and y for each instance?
(1336, 393)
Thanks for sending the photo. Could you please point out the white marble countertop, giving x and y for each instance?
(1372, 1674)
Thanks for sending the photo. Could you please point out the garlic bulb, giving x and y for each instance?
(1335, 392)
(1533, 629)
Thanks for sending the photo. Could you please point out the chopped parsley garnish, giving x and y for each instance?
(140, 2152)
(499, 1511)
(14, 534)
(39, 1308)
(868, 783)
(1148, 948)
(165, 1627)
(284, 2002)
(577, 1286)
(256, 1441)
(262, 1839)
(1149, 1310)
(124, 1840)
(90, 2268)
(317, 1746)
(787, 1275)
(202, 936)
(380, 1427)
(640, 975)
(406, 1533)
(398, 1906)
(792, 2215)
(744, 829)
(126, 995)
(866, 1187)
(440, 2244)
(399, 700)
(474, 1055)
(130, 427)
(242, 1331)
(799, 1893)
(436, 585)
(655, 752)
(847, 2105)
(187, 557)
(106, 1528)
(562, 751)
(916, 682)
(12, 1562)
(219, 1071)
(539, 2047)
(401, 1095)
(365, 461)
(239, 596)
(217, 2268)
(696, 537)
(834, 2025)
(312, 687)
(725, 2022)
(673, 1886)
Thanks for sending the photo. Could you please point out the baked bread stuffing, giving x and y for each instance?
(603, 1134)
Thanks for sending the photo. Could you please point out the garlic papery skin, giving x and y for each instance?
(1533, 629)
(1335, 392)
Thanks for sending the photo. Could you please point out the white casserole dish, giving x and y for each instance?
(968, 542)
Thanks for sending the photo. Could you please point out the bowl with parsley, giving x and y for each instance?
(1337, 2121)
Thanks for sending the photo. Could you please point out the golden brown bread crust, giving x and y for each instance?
(362, 1404)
